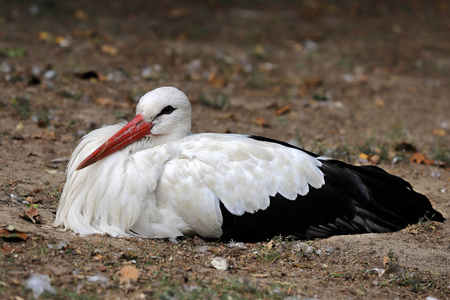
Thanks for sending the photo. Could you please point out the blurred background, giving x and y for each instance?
(367, 82)
(338, 77)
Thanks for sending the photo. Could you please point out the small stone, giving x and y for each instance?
(50, 74)
(220, 263)
(309, 250)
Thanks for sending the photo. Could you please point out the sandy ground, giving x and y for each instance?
(366, 83)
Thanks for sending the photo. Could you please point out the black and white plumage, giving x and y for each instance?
(152, 177)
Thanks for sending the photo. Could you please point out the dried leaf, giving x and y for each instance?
(386, 261)
(44, 36)
(44, 136)
(259, 51)
(227, 116)
(84, 33)
(390, 260)
(13, 233)
(438, 132)
(81, 14)
(178, 12)
(379, 102)
(420, 158)
(301, 266)
(363, 79)
(109, 49)
(128, 275)
(312, 82)
(260, 121)
(32, 214)
(260, 275)
(20, 126)
(363, 156)
(7, 248)
(413, 89)
(62, 41)
(104, 101)
(215, 80)
(374, 159)
(285, 109)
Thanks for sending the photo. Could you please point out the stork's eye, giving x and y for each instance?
(166, 110)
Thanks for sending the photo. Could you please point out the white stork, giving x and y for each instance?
(152, 177)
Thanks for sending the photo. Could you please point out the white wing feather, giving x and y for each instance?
(242, 172)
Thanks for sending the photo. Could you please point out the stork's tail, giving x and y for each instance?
(390, 199)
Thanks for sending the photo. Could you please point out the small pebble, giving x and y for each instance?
(435, 174)
(39, 283)
(50, 74)
(220, 263)
(309, 250)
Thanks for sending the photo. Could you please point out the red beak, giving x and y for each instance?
(135, 130)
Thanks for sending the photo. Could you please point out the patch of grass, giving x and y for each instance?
(9, 258)
(392, 259)
(419, 281)
(65, 294)
(119, 114)
(371, 147)
(362, 290)
(240, 288)
(346, 62)
(218, 101)
(215, 288)
(22, 106)
(320, 97)
(258, 52)
(440, 152)
(199, 32)
(399, 133)
(346, 276)
(270, 252)
(72, 94)
(395, 273)
(41, 250)
(56, 193)
(42, 118)
(313, 55)
(283, 120)
(340, 152)
(290, 95)
(13, 52)
(257, 79)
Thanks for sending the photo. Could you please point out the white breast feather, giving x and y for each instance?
(116, 195)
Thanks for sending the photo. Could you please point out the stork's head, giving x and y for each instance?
(168, 111)
(162, 115)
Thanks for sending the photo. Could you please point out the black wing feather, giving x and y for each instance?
(354, 199)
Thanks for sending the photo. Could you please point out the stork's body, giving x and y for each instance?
(152, 177)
